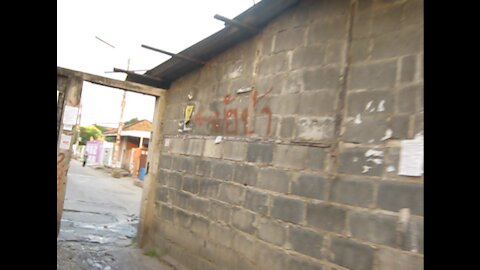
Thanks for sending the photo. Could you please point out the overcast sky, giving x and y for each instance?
(171, 25)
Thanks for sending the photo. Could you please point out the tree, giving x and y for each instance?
(89, 132)
(131, 121)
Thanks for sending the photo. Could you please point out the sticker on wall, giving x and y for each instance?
(65, 141)
(188, 113)
(187, 117)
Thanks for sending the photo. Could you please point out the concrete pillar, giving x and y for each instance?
(72, 99)
(147, 207)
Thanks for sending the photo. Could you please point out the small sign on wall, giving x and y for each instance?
(411, 158)
(65, 141)
(70, 115)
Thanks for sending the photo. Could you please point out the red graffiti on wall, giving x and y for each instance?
(229, 121)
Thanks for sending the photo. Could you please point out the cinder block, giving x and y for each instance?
(222, 170)
(273, 179)
(316, 158)
(318, 103)
(294, 82)
(165, 162)
(407, 99)
(184, 164)
(190, 184)
(212, 149)
(182, 218)
(200, 206)
(326, 217)
(245, 174)
(303, 264)
(375, 228)
(397, 260)
(234, 150)
(162, 194)
(306, 241)
(400, 126)
(260, 152)
(370, 103)
(178, 146)
(272, 231)
(320, 129)
(195, 147)
(308, 57)
(352, 191)
(274, 64)
(386, 20)
(256, 201)
(370, 130)
(335, 52)
(360, 50)
(220, 212)
(413, 12)
(200, 226)
(398, 43)
(287, 127)
(220, 234)
(203, 167)
(322, 31)
(230, 193)
(174, 180)
(270, 258)
(266, 125)
(373, 75)
(289, 40)
(352, 255)
(394, 196)
(246, 246)
(243, 220)
(362, 161)
(321, 78)
(409, 64)
(414, 237)
(162, 177)
(287, 209)
(290, 156)
(180, 199)
(166, 212)
(208, 187)
(310, 186)
(285, 104)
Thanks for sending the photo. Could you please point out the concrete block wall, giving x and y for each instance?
(306, 173)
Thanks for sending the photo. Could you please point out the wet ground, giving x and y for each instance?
(99, 223)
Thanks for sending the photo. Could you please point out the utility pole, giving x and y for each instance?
(116, 151)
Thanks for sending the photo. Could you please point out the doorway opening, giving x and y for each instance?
(102, 201)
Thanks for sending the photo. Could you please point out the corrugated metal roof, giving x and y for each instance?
(257, 16)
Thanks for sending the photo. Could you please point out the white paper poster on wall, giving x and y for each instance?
(70, 115)
(65, 141)
(411, 158)
(67, 127)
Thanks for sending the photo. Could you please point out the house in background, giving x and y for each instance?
(134, 140)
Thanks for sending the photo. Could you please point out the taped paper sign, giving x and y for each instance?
(411, 158)
(65, 142)
(70, 115)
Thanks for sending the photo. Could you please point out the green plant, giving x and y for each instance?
(151, 253)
